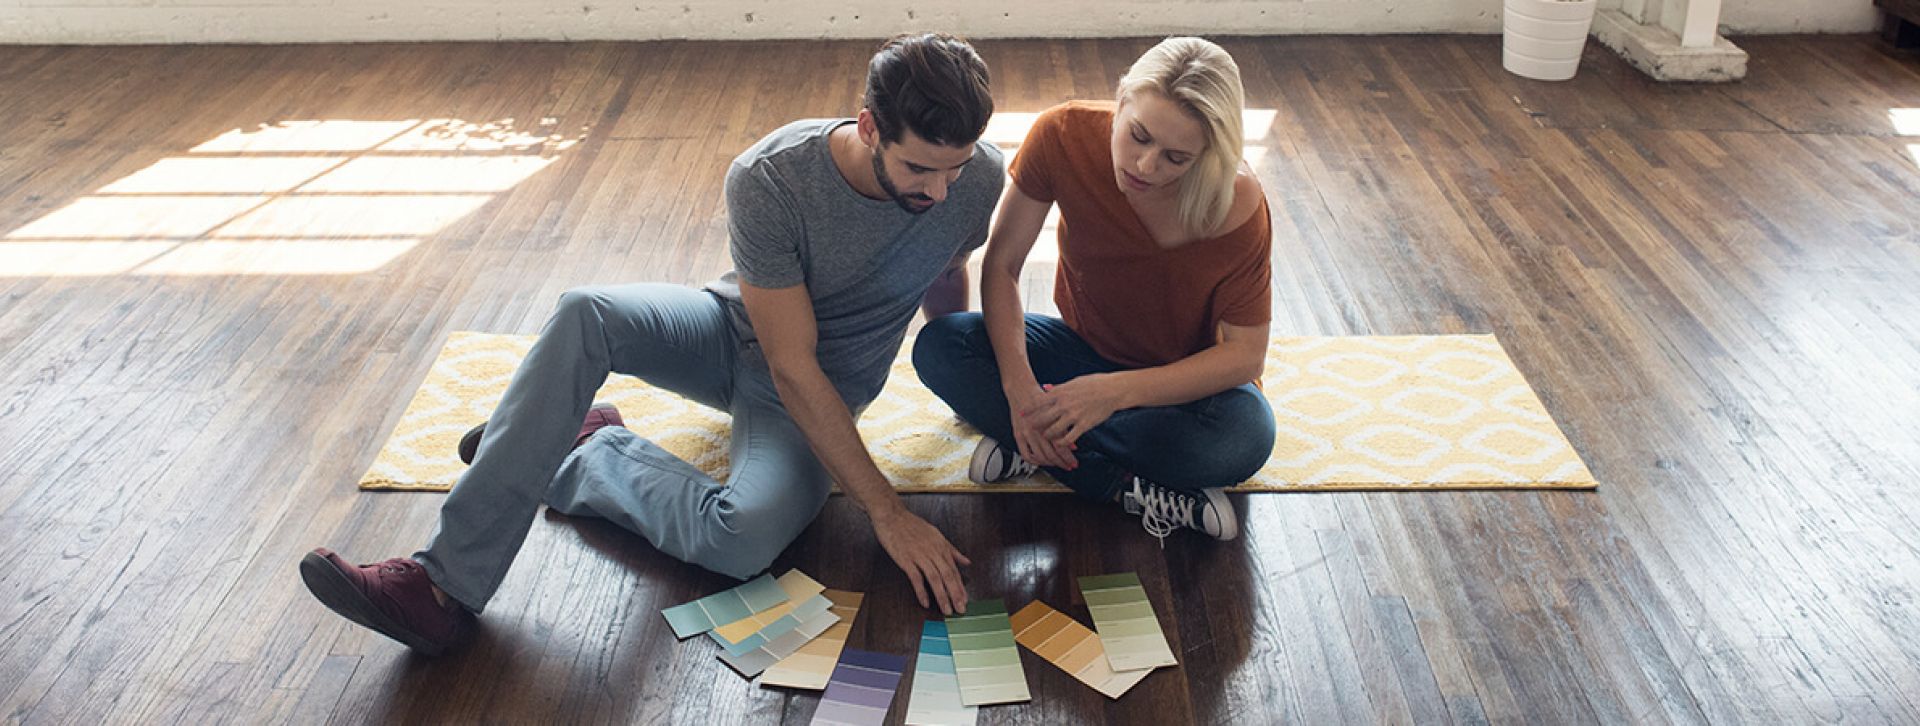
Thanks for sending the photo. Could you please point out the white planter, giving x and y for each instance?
(1543, 39)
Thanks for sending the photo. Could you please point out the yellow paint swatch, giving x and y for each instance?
(1062, 641)
(812, 666)
(798, 587)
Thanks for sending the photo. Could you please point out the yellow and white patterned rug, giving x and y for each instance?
(1354, 413)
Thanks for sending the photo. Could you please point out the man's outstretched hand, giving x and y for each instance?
(931, 563)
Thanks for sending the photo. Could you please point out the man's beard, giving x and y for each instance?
(906, 201)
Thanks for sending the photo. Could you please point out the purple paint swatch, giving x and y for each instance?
(860, 689)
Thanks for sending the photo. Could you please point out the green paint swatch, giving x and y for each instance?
(984, 657)
(1124, 618)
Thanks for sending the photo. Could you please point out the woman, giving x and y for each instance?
(1142, 392)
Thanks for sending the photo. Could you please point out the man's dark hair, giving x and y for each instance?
(932, 83)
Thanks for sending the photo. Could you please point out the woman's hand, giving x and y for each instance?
(1069, 410)
(1029, 432)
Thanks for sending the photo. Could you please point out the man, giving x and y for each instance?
(840, 229)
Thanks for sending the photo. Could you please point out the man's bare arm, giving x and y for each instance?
(783, 320)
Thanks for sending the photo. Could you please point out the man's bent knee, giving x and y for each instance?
(579, 300)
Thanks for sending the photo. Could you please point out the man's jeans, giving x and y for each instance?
(1217, 441)
(675, 338)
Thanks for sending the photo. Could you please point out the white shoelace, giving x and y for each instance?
(1161, 513)
(1010, 465)
(1016, 466)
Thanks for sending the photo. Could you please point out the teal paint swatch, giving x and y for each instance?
(712, 611)
(935, 698)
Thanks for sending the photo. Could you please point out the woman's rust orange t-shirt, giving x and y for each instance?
(1135, 302)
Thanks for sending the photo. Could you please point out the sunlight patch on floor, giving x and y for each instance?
(309, 197)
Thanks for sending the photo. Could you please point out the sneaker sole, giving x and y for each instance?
(977, 467)
(335, 591)
(1231, 518)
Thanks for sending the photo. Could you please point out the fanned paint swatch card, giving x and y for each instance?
(1124, 618)
(1066, 643)
(861, 689)
(794, 618)
(798, 587)
(724, 607)
(935, 697)
(812, 665)
(761, 650)
(984, 657)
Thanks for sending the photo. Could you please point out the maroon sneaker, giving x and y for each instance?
(393, 598)
(600, 416)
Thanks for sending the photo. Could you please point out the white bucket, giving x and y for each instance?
(1543, 39)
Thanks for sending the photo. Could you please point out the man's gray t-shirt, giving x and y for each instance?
(866, 262)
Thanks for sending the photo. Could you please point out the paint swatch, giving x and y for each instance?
(1064, 642)
(1125, 620)
(984, 657)
(935, 698)
(707, 613)
(761, 650)
(861, 689)
(794, 616)
(798, 588)
(812, 665)
(805, 613)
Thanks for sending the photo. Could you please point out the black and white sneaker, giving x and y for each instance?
(1163, 510)
(995, 463)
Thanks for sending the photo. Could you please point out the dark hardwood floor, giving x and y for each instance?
(1715, 289)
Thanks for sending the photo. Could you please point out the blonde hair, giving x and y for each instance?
(1204, 80)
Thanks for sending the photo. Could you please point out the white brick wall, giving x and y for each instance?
(282, 21)
(1798, 16)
